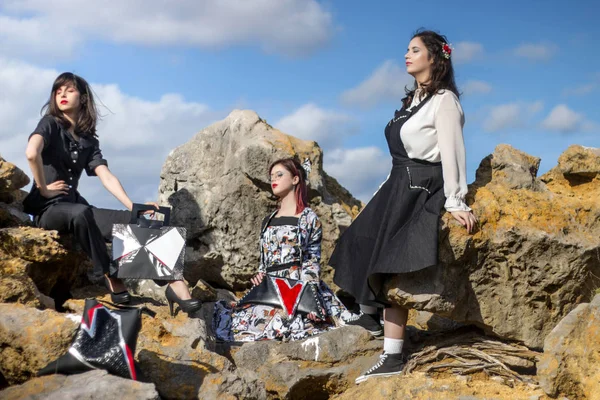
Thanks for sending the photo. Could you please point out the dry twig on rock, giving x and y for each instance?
(468, 355)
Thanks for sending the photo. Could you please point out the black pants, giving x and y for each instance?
(91, 226)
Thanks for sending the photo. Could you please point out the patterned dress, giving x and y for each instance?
(291, 248)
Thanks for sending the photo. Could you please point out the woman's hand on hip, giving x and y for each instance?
(54, 189)
(466, 218)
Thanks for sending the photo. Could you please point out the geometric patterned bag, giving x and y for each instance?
(148, 249)
(291, 295)
(106, 340)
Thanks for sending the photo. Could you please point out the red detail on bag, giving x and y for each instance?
(289, 295)
(130, 363)
(91, 315)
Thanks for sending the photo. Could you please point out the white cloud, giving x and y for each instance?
(466, 51)
(135, 122)
(55, 28)
(580, 90)
(386, 83)
(536, 52)
(519, 114)
(135, 138)
(25, 89)
(590, 126)
(476, 87)
(511, 115)
(534, 108)
(360, 170)
(563, 119)
(310, 122)
(36, 38)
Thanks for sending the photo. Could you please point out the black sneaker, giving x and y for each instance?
(388, 365)
(368, 321)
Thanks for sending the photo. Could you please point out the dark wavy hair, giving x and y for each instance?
(442, 71)
(301, 190)
(88, 113)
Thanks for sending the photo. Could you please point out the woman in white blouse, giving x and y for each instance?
(397, 232)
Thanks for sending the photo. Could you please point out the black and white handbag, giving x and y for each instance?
(147, 248)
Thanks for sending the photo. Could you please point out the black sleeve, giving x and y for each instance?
(95, 159)
(47, 128)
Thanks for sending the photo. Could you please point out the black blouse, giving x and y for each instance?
(63, 158)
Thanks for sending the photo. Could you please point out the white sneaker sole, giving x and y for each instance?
(363, 378)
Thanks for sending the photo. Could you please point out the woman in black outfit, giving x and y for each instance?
(61, 147)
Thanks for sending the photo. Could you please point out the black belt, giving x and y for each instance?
(279, 267)
(414, 162)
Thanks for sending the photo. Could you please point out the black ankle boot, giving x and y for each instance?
(187, 306)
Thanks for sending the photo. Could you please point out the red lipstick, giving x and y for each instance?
(64, 102)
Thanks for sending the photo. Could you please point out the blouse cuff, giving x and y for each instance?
(456, 203)
(96, 162)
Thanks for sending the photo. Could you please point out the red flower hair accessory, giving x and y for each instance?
(446, 50)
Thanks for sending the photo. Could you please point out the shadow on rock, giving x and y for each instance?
(316, 387)
(174, 379)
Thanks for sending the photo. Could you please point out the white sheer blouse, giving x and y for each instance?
(434, 134)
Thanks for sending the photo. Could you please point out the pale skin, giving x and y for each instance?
(69, 102)
(283, 185)
(418, 64)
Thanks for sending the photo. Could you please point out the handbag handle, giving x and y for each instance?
(138, 208)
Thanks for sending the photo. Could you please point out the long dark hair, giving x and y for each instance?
(88, 113)
(442, 71)
(301, 191)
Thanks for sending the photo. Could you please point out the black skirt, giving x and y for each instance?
(397, 232)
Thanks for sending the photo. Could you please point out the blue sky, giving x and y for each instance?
(328, 71)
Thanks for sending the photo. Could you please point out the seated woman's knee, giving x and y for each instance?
(82, 214)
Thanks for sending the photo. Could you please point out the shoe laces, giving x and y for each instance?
(355, 317)
(382, 359)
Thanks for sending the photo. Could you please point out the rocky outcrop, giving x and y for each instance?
(30, 339)
(230, 386)
(433, 322)
(174, 354)
(11, 215)
(578, 164)
(534, 256)
(570, 364)
(93, 385)
(12, 178)
(219, 188)
(35, 264)
(419, 386)
(314, 368)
